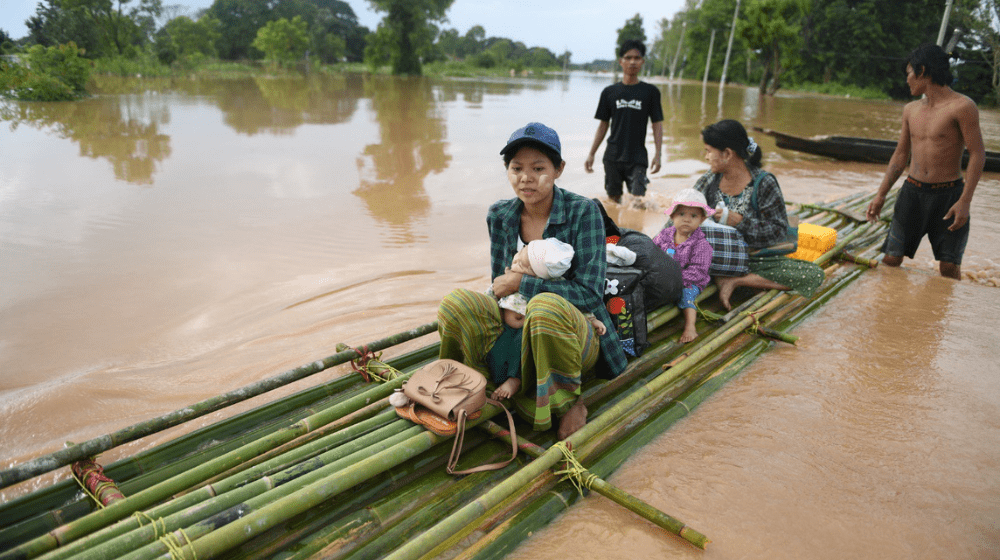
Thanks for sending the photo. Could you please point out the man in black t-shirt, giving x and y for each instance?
(625, 107)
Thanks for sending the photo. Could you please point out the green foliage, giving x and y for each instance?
(122, 29)
(54, 25)
(631, 30)
(62, 63)
(772, 29)
(405, 34)
(187, 42)
(842, 90)
(53, 74)
(283, 41)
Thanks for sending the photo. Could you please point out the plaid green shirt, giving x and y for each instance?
(575, 220)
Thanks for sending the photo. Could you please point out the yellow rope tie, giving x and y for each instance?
(755, 327)
(575, 472)
(176, 547)
(140, 515)
(381, 372)
(704, 315)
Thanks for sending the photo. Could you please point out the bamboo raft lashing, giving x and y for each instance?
(330, 472)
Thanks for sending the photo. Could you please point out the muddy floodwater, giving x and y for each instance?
(170, 240)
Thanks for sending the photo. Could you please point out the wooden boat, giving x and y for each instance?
(333, 472)
(852, 148)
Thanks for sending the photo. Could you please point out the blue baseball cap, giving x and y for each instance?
(533, 132)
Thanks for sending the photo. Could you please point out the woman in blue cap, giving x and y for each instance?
(557, 344)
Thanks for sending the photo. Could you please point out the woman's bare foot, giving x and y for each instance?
(690, 333)
(726, 285)
(574, 419)
(508, 389)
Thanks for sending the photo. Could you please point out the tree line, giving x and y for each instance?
(828, 44)
(326, 31)
(857, 43)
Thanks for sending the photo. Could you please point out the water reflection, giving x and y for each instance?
(278, 105)
(411, 147)
(125, 130)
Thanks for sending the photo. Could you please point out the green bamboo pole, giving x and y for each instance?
(619, 496)
(243, 503)
(128, 471)
(61, 505)
(201, 501)
(240, 530)
(90, 448)
(146, 498)
(375, 530)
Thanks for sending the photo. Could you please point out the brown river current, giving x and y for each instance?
(166, 241)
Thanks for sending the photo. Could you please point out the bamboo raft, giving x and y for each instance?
(332, 472)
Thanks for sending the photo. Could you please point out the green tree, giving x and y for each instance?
(981, 53)
(283, 41)
(473, 42)
(405, 33)
(121, 26)
(183, 38)
(6, 43)
(772, 30)
(448, 40)
(865, 42)
(54, 25)
(631, 30)
(239, 21)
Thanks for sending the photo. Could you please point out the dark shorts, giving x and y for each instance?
(617, 173)
(920, 211)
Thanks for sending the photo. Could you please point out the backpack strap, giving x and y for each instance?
(456, 446)
(756, 183)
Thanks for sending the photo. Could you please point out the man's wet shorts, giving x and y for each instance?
(617, 173)
(920, 211)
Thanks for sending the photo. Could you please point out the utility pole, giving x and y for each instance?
(944, 22)
(708, 60)
(673, 66)
(729, 49)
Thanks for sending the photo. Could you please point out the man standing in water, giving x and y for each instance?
(625, 107)
(934, 199)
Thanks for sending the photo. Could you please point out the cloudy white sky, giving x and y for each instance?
(586, 28)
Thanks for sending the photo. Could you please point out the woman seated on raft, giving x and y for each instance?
(734, 161)
(557, 345)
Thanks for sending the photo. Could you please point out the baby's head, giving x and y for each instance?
(548, 258)
(690, 200)
(513, 308)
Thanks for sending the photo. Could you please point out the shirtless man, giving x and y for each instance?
(934, 199)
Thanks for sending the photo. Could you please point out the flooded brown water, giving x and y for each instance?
(166, 241)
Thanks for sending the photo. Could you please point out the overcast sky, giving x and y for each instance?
(586, 28)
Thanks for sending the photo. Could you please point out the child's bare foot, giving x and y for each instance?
(573, 420)
(689, 334)
(507, 389)
(726, 285)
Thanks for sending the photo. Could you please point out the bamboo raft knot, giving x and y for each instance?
(574, 471)
(371, 367)
(90, 476)
(360, 364)
(755, 327)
